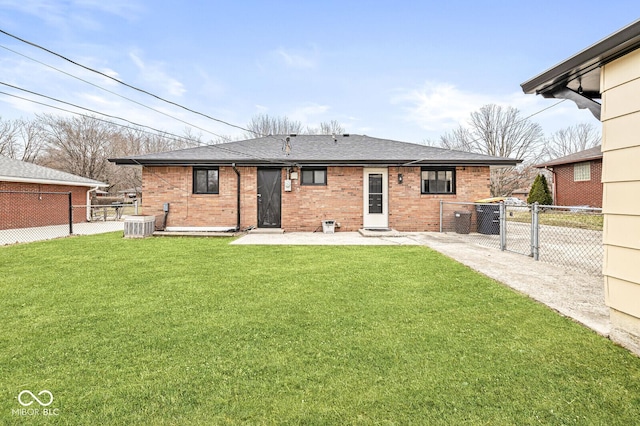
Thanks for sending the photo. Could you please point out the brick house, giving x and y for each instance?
(32, 195)
(577, 178)
(295, 182)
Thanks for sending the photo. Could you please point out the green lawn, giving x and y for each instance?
(567, 219)
(195, 331)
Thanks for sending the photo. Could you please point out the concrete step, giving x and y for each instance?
(266, 231)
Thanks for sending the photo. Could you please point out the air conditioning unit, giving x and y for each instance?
(139, 226)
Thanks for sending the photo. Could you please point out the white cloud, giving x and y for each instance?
(82, 13)
(309, 114)
(438, 106)
(153, 74)
(298, 60)
(127, 9)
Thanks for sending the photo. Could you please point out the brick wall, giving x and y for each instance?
(33, 209)
(306, 206)
(583, 193)
(174, 185)
(409, 210)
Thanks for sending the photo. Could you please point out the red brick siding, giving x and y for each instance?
(583, 193)
(31, 210)
(306, 206)
(174, 185)
(409, 210)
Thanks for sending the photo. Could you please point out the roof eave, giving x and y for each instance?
(52, 182)
(606, 50)
(285, 163)
(562, 163)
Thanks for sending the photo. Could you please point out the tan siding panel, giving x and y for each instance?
(622, 230)
(621, 198)
(621, 100)
(621, 165)
(622, 132)
(621, 70)
(623, 296)
(622, 263)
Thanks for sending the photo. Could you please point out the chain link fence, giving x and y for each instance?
(34, 216)
(568, 236)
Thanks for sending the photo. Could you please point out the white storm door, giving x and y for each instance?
(376, 194)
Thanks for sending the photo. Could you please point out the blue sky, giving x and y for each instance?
(404, 70)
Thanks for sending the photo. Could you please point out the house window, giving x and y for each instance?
(441, 180)
(316, 176)
(205, 181)
(582, 172)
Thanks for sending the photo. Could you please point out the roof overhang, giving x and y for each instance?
(578, 77)
(561, 162)
(309, 163)
(52, 182)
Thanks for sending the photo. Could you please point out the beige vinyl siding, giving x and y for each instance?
(623, 164)
(616, 133)
(622, 230)
(623, 294)
(621, 197)
(620, 86)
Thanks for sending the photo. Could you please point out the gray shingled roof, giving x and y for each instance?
(20, 171)
(316, 149)
(594, 153)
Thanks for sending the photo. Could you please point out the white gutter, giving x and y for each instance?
(51, 182)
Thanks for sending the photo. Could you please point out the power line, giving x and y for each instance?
(157, 132)
(517, 122)
(126, 84)
(112, 92)
(160, 132)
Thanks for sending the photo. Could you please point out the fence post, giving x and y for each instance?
(535, 232)
(70, 215)
(135, 207)
(503, 226)
(441, 216)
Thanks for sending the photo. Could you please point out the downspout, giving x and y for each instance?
(89, 202)
(238, 197)
(553, 185)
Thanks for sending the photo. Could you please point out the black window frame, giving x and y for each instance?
(207, 169)
(313, 169)
(439, 169)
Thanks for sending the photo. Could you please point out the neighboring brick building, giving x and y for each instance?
(32, 195)
(577, 178)
(295, 182)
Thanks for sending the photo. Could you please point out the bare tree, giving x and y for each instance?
(459, 139)
(332, 127)
(79, 145)
(32, 140)
(501, 132)
(264, 125)
(571, 140)
(8, 138)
